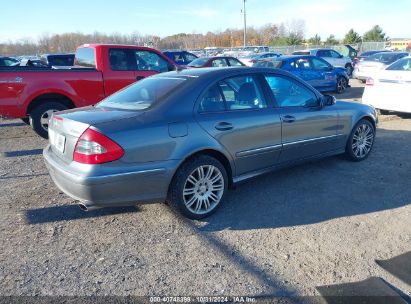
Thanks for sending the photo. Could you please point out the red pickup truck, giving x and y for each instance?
(33, 94)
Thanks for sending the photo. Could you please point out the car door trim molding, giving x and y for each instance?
(262, 150)
(311, 140)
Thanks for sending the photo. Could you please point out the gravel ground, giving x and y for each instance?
(284, 233)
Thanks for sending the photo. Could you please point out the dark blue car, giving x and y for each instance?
(315, 70)
(180, 57)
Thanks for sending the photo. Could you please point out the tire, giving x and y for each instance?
(190, 191)
(360, 141)
(39, 116)
(349, 68)
(26, 120)
(342, 84)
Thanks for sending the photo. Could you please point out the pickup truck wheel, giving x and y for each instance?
(40, 116)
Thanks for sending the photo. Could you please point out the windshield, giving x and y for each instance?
(142, 94)
(384, 57)
(198, 62)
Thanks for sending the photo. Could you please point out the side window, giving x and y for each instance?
(219, 63)
(118, 60)
(234, 62)
(149, 61)
(189, 57)
(241, 93)
(301, 63)
(334, 54)
(289, 93)
(212, 101)
(323, 53)
(320, 64)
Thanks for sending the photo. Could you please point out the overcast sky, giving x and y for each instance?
(29, 19)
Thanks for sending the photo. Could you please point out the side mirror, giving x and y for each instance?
(328, 100)
(172, 67)
(341, 56)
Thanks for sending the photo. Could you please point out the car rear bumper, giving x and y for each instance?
(143, 184)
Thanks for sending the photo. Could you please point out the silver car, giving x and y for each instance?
(185, 137)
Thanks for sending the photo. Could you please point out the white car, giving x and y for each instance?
(390, 88)
(372, 64)
(330, 55)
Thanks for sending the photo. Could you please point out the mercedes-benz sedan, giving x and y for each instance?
(185, 137)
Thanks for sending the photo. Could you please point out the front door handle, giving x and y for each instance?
(224, 126)
(288, 118)
(140, 77)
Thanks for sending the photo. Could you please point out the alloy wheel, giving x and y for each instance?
(45, 118)
(203, 189)
(362, 140)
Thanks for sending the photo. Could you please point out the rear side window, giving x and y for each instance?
(234, 62)
(289, 93)
(85, 57)
(119, 60)
(324, 53)
(143, 94)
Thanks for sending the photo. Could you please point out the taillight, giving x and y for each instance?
(369, 82)
(95, 148)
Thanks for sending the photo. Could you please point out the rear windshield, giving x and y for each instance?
(61, 60)
(85, 57)
(198, 62)
(143, 94)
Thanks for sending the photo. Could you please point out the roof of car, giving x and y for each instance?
(217, 72)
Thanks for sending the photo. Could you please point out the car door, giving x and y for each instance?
(325, 75)
(337, 59)
(121, 70)
(235, 112)
(307, 128)
(306, 72)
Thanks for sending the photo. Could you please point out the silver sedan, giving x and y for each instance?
(185, 137)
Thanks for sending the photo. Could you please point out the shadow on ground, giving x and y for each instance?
(20, 153)
(71, 212)
(323, 190)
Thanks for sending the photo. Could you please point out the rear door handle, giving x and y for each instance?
(224, 126)
(288, 118)
(140, 77)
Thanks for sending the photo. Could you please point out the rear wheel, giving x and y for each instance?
(342, 84)
(40, 116)
(361, 141)
(198, 187)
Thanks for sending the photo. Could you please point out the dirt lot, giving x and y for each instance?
(286, 233)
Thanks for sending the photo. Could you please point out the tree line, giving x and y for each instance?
(288, 33)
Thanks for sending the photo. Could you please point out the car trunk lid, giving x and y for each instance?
(66, 127)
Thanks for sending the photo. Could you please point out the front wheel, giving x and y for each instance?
(40, 116)
(360, 141)
(349, 69)
(342, 84)
(198, 187)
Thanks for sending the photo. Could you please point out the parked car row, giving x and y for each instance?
(45, 60)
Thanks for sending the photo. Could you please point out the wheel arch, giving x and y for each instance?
(218, 155)
(55, 97)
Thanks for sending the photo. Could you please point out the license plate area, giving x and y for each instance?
(57, 140)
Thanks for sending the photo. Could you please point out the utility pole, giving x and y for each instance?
(245, 24)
